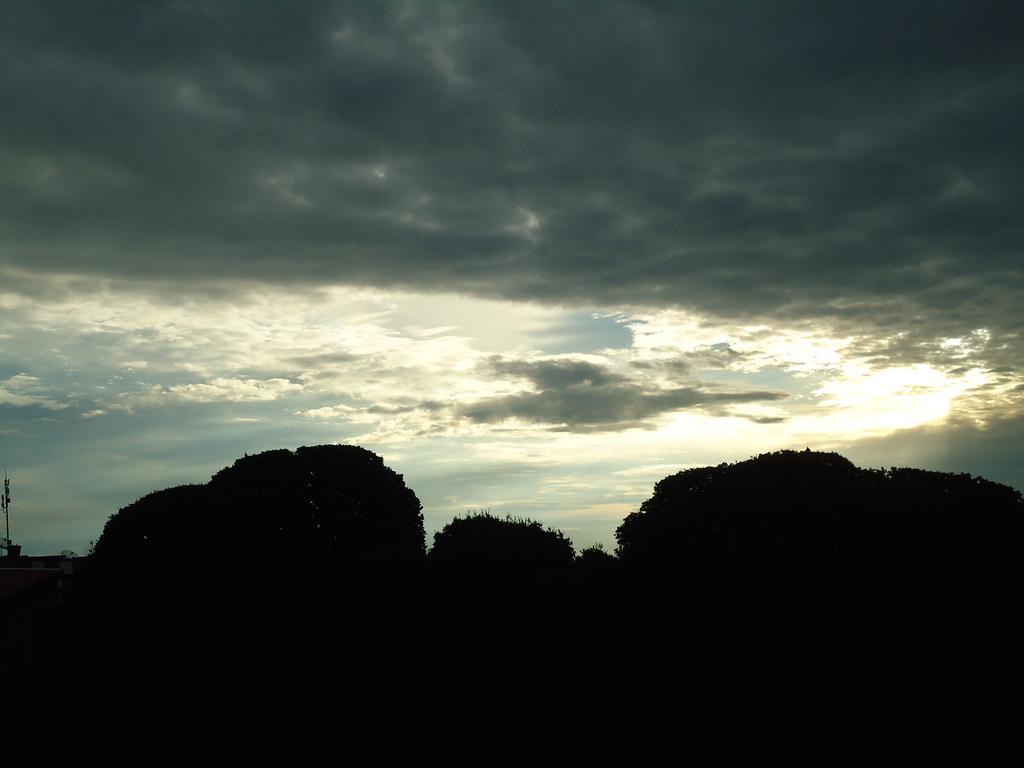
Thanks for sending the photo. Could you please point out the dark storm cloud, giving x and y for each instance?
(859, 160)
(992, 451)
(583, 397)
(715, 356)
(555, 374)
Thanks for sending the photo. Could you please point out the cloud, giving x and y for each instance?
(963, 446)
(217, 390)
(580, 396)
(558, 373)
(323, 359)
(22, 390)
(233, 390)
(856, 163)
(370, 414)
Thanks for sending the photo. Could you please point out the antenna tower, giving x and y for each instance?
(11, 550)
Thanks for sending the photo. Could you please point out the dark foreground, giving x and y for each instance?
(503, 644)
(419, 663)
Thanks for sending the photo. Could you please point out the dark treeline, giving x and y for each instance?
(290, 608)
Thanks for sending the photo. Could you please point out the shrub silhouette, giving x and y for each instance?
(796, 509)
(596, 564)
(595, 557)
(483, 541)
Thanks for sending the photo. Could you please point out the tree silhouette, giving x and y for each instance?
(483, 541)
(330, 503)
(797, 509)
(154, 528)
(790, 590)
(283, 561)
(339, 501)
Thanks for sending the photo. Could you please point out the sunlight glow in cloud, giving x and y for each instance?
(862, 401)
(406, 364)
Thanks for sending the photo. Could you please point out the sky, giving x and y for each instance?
(537, 255)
